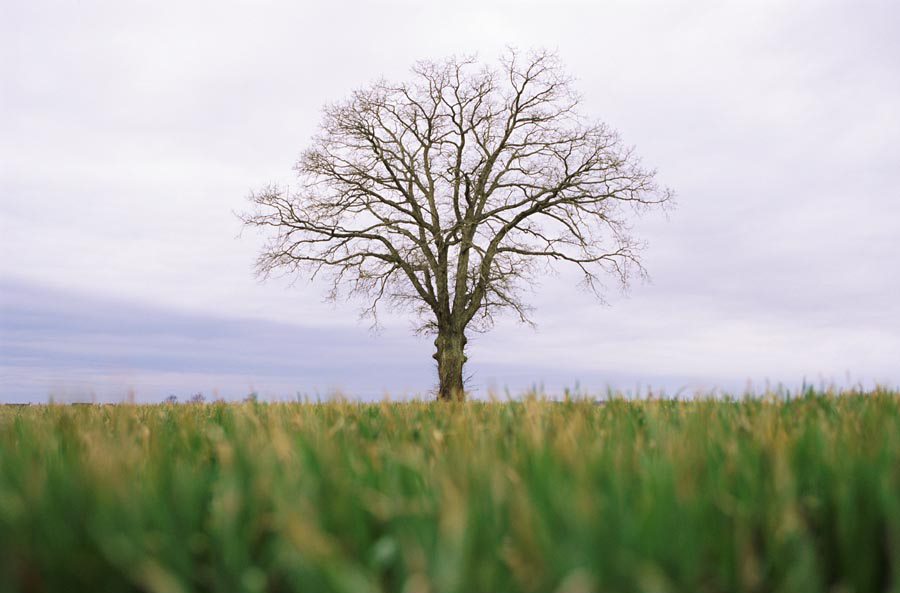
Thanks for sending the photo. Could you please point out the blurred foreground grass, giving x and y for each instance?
(755, 495)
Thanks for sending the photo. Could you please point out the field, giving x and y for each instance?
(767, 494)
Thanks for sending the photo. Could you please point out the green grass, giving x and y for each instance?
(704, 496)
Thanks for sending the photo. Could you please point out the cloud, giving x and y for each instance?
(129, 135)
(57, 343)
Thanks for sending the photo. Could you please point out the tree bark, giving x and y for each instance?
(450, 356)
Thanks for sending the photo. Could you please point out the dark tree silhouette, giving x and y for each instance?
(446, 194)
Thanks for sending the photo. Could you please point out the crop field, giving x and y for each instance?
(766, 494)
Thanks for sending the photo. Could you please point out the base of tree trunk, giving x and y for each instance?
(454, 393)
(450, 357)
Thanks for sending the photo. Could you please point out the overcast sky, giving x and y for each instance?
(130, 132)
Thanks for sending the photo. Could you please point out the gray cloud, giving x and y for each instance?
(57, 343)
(129, 134)
(69, 346)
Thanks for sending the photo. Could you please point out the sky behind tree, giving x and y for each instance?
(130, 133)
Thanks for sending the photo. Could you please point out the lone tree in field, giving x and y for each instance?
(446, 194)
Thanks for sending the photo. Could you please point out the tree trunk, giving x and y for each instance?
(450, 357)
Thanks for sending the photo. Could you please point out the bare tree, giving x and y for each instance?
(448, 194)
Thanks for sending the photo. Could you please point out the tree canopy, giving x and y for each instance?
(449, 193)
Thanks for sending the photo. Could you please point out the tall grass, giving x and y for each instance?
(701, 496)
